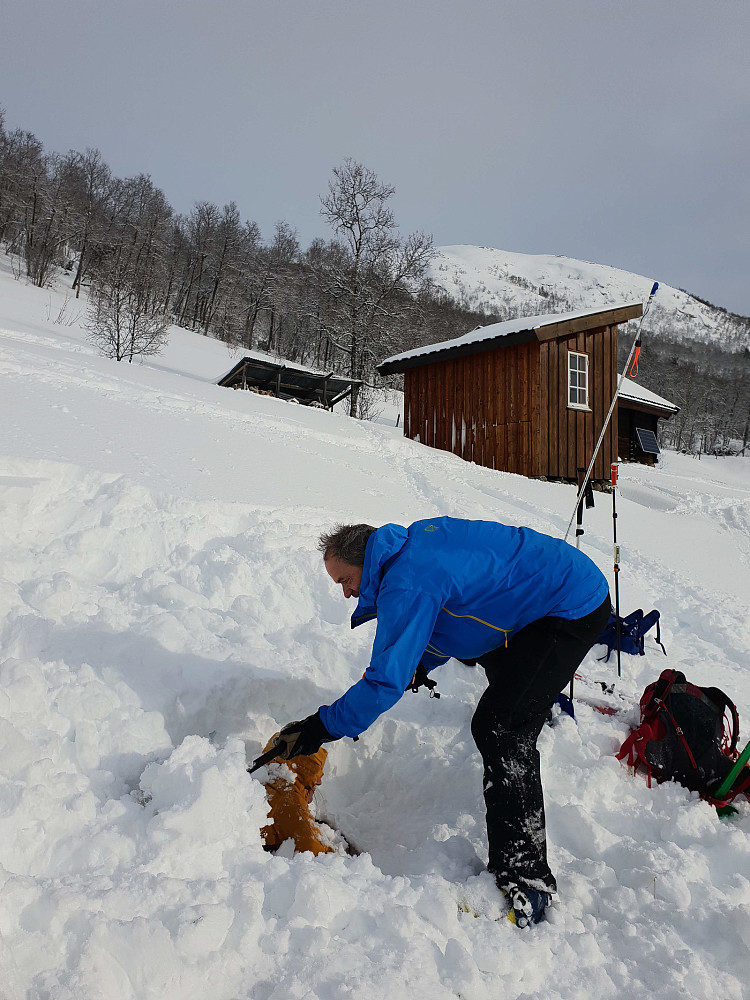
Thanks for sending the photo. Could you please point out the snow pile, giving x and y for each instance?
(163, 611)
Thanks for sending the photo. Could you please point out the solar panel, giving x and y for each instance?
(647, 441)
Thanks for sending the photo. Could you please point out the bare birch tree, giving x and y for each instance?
(368, 285)
(120, 323)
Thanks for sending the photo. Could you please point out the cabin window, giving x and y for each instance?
(578, 381)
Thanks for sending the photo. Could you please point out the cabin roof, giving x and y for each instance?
(630, 392)
(513, 331)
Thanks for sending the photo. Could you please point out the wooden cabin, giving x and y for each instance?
(528, 396)
(637, 424)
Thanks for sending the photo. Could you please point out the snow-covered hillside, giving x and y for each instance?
(163, 610)
(506, 284)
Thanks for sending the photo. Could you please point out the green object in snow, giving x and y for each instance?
(727, 783)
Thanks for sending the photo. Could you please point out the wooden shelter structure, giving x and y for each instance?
(528, 396)
(288, 381)
(639, 413)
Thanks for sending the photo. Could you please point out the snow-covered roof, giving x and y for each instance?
(630, 390)
(517, 330)
(289, 381)
(270, 361)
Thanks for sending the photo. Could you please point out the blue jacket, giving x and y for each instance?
(450, 587)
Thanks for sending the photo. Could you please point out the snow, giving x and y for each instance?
(491, 268)
(495, 331)
(503, 283)
(163, 610)
(628, 389)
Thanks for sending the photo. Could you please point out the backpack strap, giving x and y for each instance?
(661, 689)
(735, 726)
(633, 627)
(649, 620)
(725, 702)
(631, 624)
(633, 619)
(634, 749)
(658, 636)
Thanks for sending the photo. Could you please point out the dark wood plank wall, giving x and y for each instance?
(508, 408)
(567, 436)
(479, 407)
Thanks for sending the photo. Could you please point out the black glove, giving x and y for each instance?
(300, 739)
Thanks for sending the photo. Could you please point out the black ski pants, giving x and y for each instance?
(525, 678)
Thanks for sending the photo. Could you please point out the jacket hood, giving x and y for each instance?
(382, 546)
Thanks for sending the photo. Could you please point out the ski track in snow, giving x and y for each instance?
(160, 621)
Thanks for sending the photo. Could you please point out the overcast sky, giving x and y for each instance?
(616, 132)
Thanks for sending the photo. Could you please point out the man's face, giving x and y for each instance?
(350, 577)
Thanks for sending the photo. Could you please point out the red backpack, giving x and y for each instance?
(687, 734)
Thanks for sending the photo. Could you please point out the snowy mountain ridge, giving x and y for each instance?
(504, 284)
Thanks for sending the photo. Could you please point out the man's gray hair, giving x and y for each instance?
(346, 542)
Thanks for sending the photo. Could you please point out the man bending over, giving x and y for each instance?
(526, 606)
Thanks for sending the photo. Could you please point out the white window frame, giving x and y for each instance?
(578, 382)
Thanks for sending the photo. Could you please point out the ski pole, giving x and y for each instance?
(727, 783)
(613, 470)
(620, 379)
